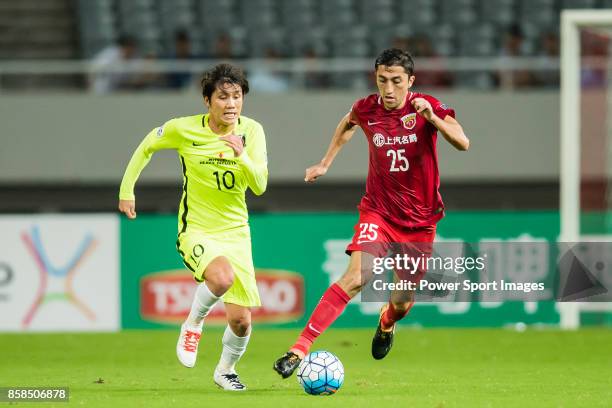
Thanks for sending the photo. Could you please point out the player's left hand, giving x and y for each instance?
(235, 142)
(423, 108)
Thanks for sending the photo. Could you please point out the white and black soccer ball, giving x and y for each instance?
(320, 373)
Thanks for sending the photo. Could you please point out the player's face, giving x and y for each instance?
(393, 84)
(225, 104)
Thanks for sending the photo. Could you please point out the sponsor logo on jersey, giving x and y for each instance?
(378, 139)
(166, 297)
(409, 121)
(219, 161)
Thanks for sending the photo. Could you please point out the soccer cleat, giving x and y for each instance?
(287, 364)
(383, 340)
(229, 381)
(187, 345)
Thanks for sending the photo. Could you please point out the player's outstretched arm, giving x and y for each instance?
(164, 137)
(344, 132)
(449, 127)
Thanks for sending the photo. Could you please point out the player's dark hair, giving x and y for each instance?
(395, 57)
(223, 74)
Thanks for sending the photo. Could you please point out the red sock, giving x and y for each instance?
(392, 315)
(332, 304)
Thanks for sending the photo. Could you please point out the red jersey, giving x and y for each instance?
(403, 178)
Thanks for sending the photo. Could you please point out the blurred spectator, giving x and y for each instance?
(315, 79)
(513, 46)
(595, 47)
(182, 52)
(263, 78)
(403, 43)
(549, 50)
(142, 77)
(117, 67)
(421, 47)
(102, 80)
(222, 48)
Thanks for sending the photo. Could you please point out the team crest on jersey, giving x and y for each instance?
(409, 121)
(378, 139)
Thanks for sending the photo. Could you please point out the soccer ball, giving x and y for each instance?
(320, 373)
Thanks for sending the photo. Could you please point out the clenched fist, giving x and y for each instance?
(423, 108)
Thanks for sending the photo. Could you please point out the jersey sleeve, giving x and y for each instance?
(354, 115)
(439, 108)
(163, 137)
(254, 161)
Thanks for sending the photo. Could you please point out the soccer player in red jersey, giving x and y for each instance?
(402, 203)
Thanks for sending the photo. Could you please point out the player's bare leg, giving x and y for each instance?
(332, 304)
(398, 307)
(235, 340)
(219, 277)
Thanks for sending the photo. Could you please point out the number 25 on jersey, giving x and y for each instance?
(399, 162)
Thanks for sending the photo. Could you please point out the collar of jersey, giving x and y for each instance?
(205, 121)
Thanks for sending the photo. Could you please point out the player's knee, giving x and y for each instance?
(351, 283)
(220, 274)
(240, 325)
(225, 280)
(401, 307)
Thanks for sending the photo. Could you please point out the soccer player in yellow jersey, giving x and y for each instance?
(222, 154)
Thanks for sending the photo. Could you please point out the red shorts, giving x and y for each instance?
(379, 238)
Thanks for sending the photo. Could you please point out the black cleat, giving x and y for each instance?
(287, 364)
(382, 342)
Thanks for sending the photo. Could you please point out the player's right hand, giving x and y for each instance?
(314, 172)
(128, 207)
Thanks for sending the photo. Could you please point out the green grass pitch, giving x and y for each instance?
(426, 368)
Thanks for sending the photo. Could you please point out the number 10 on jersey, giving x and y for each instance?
(227, 179)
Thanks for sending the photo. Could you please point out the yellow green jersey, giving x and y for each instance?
(214, 181)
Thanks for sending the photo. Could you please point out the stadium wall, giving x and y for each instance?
(104, 272)
(59, 138)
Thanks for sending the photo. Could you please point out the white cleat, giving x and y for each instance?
(187, 345)
(229, 381)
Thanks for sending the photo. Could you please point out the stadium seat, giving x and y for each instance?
(478, 41)
(578, 4)
(501, 12)
(327, 28)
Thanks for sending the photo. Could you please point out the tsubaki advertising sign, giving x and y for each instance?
(165, 297)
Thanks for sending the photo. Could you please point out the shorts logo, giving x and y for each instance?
(196, 253)
(409, 121)
(160, 131)
(378, 139)
(198, 250)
